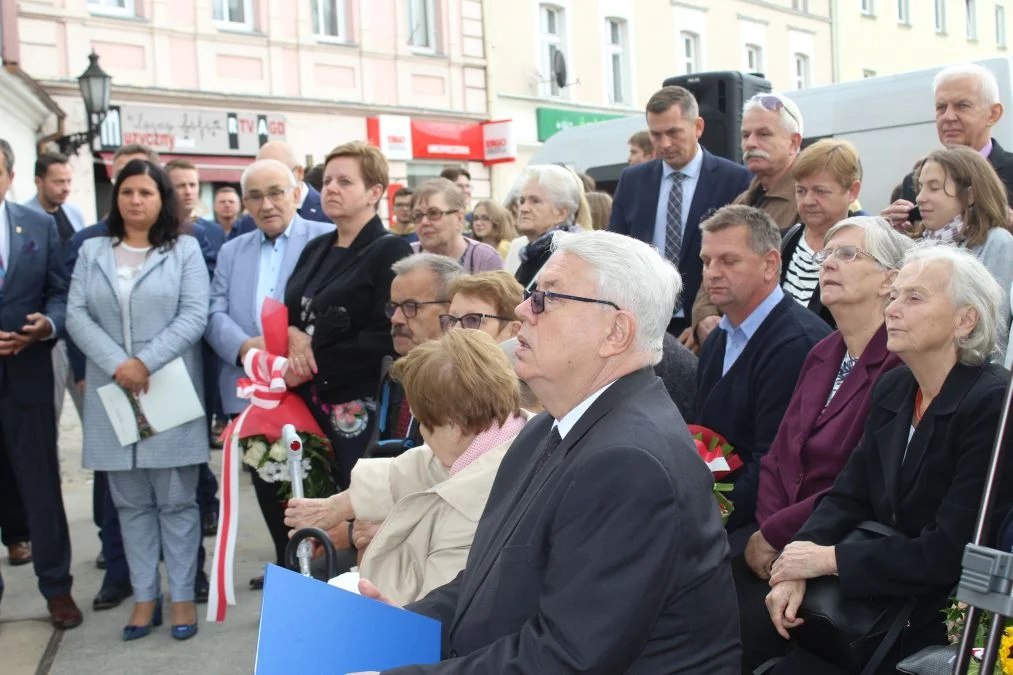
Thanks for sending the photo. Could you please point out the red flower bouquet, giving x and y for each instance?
(719, 456)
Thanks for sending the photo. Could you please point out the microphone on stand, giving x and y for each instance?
(293, 445)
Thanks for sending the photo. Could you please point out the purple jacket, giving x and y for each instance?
(813, 443)
(478, 257)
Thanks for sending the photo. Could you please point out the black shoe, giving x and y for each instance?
(201, 588)
(257, 583)
(100, 562)
(210, 524)
(111, 596)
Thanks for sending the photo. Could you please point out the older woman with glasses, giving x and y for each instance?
(920, 468)
(339, 332)
(548, 200)
(466, 397)
(485, 302)
(859, 258)
(438, 210)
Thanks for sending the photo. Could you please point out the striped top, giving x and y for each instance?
(803, 274)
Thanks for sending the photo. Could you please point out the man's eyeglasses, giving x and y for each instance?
(473, 320)
(776, 104)
(410, 308)
(844, 254)
(434, 215)
(255, 198)
(537, 299)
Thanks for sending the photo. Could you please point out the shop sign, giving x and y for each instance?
(392, 134)
(553, 120)
(188, 131)
(402, 138)
(498, 142)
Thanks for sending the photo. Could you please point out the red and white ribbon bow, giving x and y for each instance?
(265, 387)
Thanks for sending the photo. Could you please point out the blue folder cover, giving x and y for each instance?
(308, 627)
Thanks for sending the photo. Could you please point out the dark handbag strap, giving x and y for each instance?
(899, 622)
(768, 665)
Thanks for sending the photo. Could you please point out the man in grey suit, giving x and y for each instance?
(252, 267)
(601, 548)
(33, 304)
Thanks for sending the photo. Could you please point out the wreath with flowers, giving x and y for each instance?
(270, 461)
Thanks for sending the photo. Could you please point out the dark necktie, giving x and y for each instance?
(673, 219)
(551, 443)
(404, 419)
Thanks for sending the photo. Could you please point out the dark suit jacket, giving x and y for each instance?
(351, 331)
(1000, 160)
(310, 210)
(814, 442)
(551, 586)
(36, 280)
(746, 405)
(635, 209)
(931, 496)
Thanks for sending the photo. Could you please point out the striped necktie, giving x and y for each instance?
(673, 223)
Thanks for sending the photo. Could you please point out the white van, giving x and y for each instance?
(890, 119)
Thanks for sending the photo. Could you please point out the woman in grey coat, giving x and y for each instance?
(138, 300)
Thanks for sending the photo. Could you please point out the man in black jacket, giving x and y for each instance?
(967, 107)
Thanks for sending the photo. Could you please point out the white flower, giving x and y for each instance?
(266, 473)
(278, 452)
(254, 453)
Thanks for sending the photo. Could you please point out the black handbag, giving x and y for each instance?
(855, 634)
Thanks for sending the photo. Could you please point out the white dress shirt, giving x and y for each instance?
(570, 419)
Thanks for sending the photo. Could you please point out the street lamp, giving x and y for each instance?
(96, 89)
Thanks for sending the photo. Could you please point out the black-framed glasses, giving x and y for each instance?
(537, 299)
(273, 195)
(473, 320)
(434, 215)
(844, 254)
(776, 104)
(410, 308)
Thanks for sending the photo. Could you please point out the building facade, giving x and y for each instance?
(886, 37)
(616, 53)
(211, 80)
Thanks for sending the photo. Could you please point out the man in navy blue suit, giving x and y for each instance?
(307, 199)
(33, 306)
(663, 201)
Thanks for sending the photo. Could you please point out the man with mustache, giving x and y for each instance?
(771, 138)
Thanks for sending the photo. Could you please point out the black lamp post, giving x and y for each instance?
(96, 89)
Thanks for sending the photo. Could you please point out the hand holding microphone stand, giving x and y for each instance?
(298, 553)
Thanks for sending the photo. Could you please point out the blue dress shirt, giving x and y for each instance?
(739, 336)
(692, 173)
(272, 254)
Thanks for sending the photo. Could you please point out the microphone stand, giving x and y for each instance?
(293, 444)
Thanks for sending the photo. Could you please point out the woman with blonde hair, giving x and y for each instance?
(466, 397)
(601, 210)
(493, 225)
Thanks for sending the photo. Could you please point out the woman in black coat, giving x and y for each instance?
(548, 199)
(338, 332)
(922, 463)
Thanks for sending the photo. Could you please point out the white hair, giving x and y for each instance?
(634, 276)
(443, 268)
(789, 114)
(971, 285)
(882, 241)
(988, 86)
(266, 164)
(562, 187)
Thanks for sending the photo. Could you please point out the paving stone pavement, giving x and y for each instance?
(29, 646)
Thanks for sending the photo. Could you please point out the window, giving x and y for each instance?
(754, 58)
(940, 16)
(690, 45)
(866, 72)
(801, 71)
(800, 5)
(868, 8)
(422, 24)
(1000, 26)
(972, 20)
(112, 7)
(235, 13)
(329, 19)
(903, 12)
(553, 41)
(618, 64)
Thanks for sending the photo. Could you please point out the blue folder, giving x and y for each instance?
(308, 627)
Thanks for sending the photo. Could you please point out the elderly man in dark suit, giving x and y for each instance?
(548, 587)
(662, 201)
(33, 304)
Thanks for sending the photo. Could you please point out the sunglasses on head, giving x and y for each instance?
(776, 104)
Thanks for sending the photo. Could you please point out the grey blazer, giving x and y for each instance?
(74, 214)
(232, 318)
(168, 313)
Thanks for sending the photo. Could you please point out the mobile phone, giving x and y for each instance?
(914, 215)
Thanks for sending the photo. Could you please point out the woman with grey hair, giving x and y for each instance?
(918, 472)
(438, 210)
(548, 200)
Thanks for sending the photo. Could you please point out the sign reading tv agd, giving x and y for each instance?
(193, 132)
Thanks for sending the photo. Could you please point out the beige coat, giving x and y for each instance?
(429, 518)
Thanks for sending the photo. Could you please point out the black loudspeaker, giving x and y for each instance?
(720, 96)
